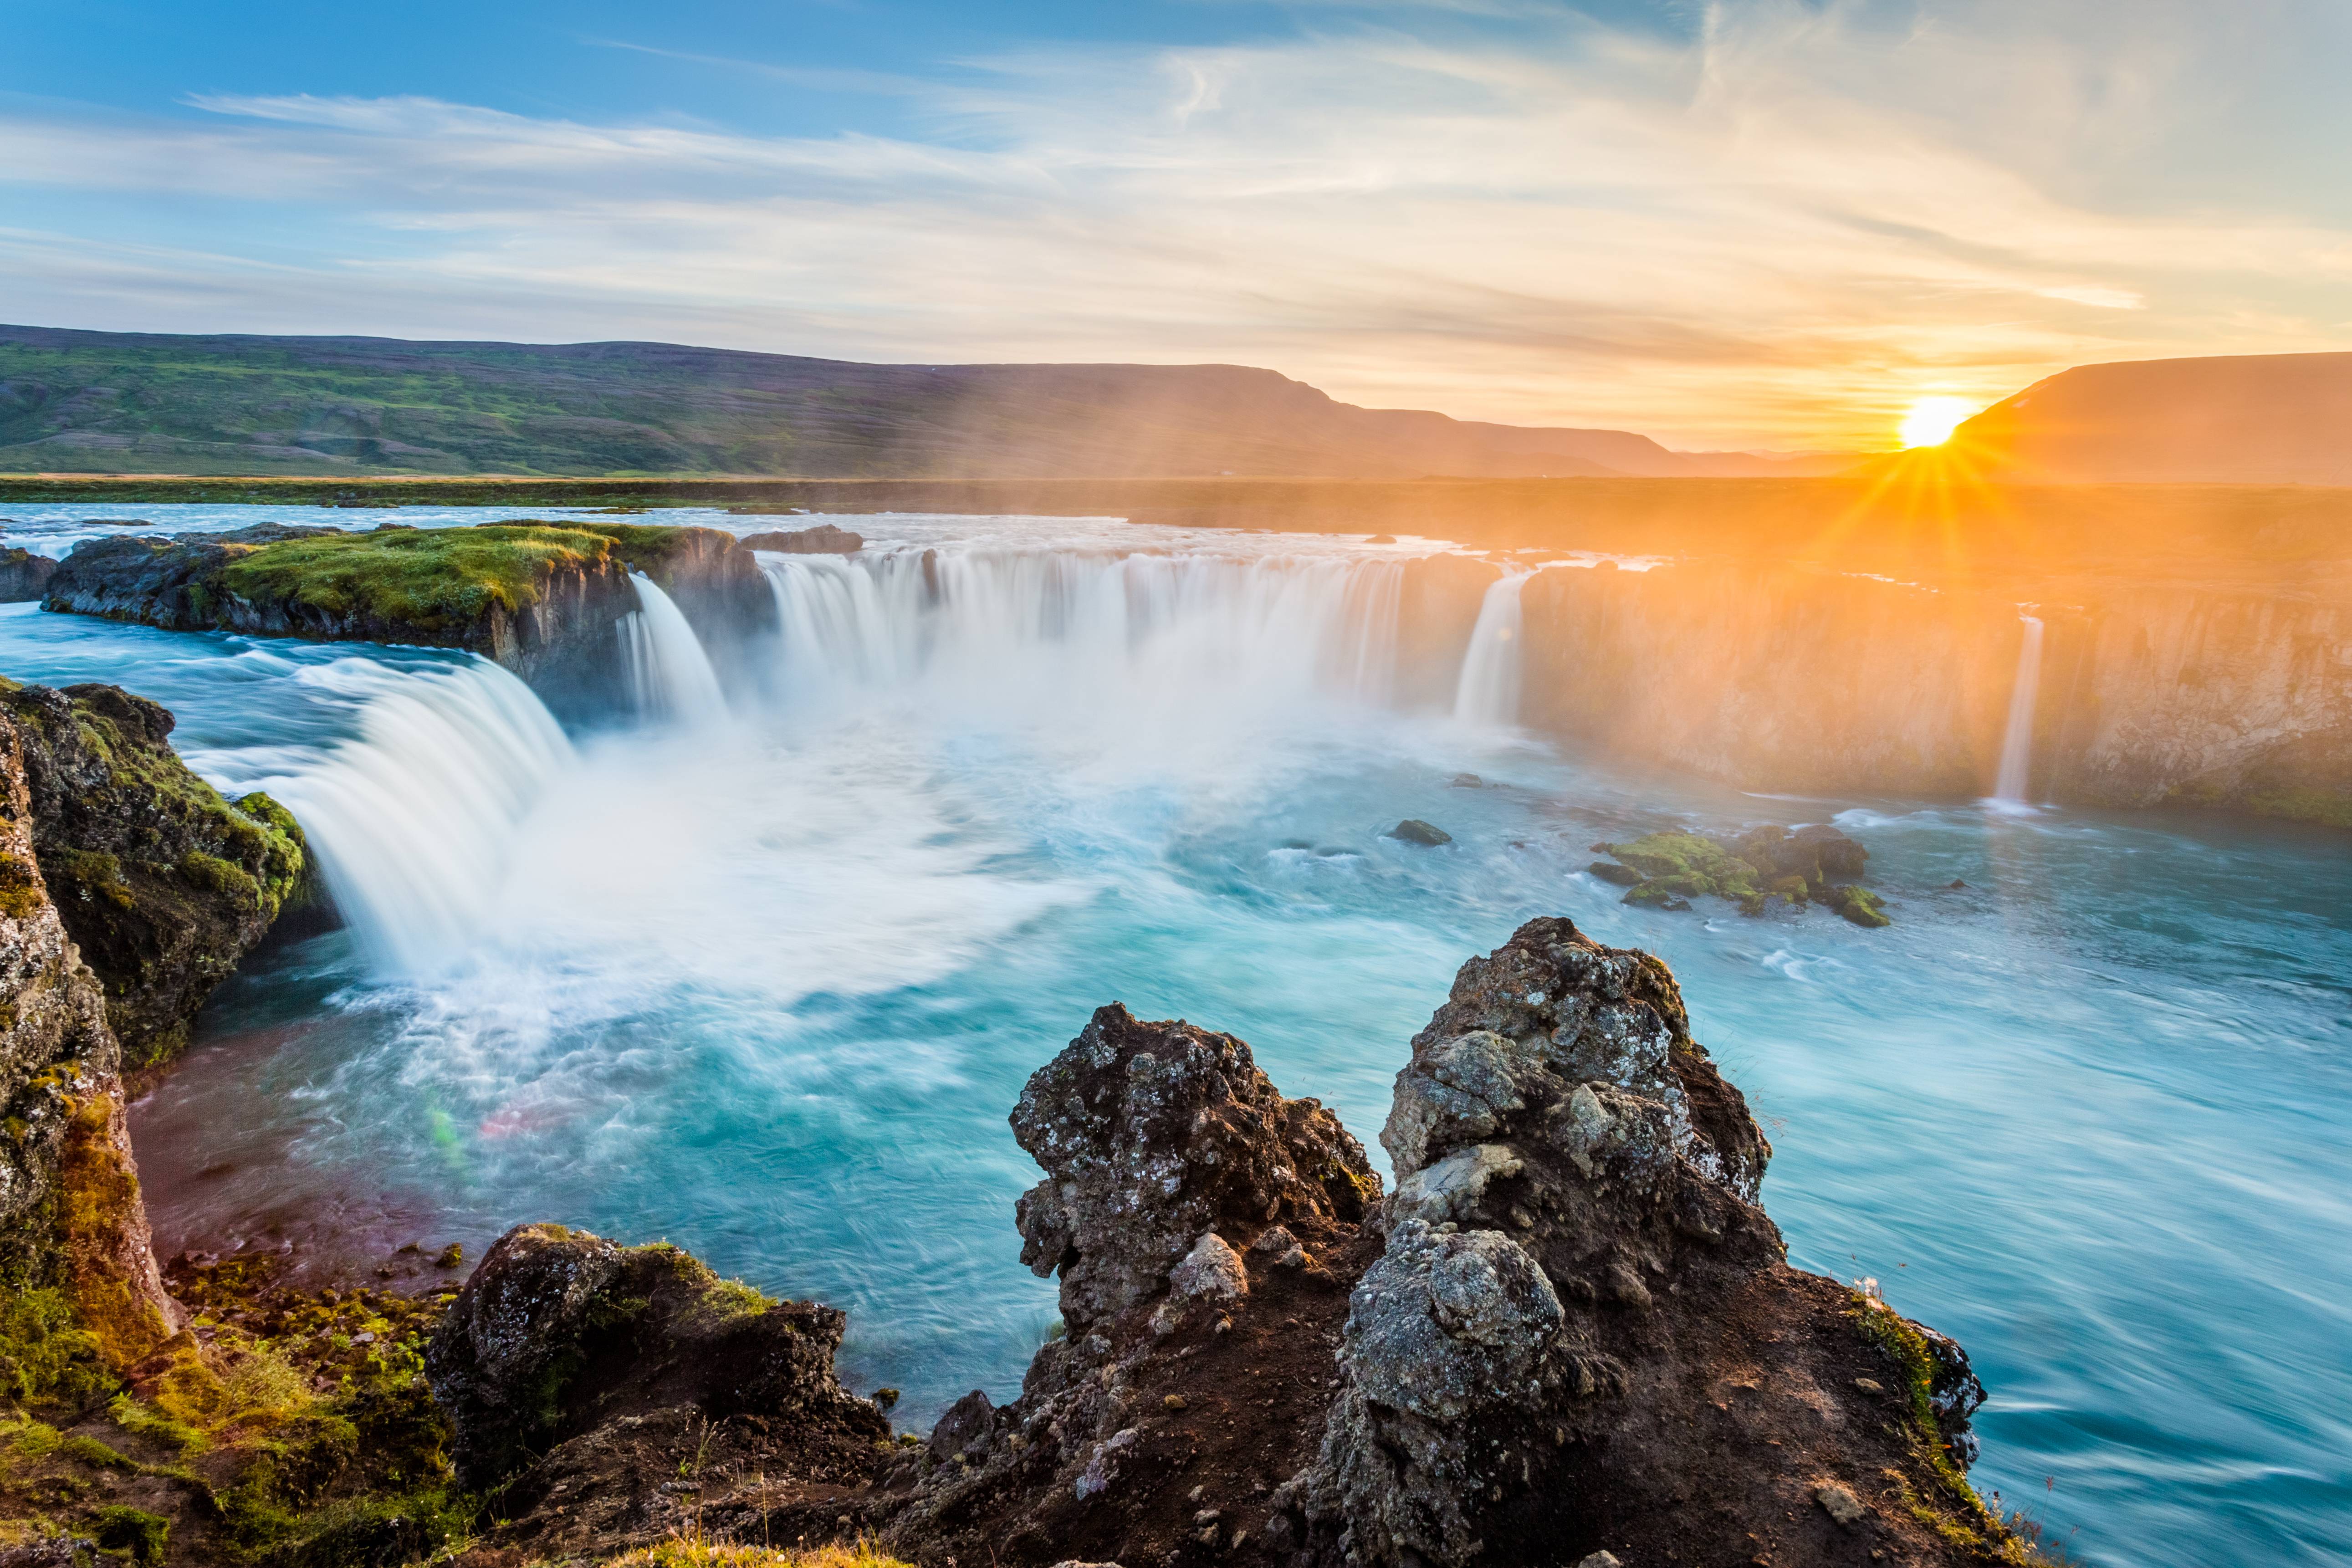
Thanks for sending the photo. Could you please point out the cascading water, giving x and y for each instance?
(413, 821)
(2016, 741)
(1488, 690)
(670, 676)
(1167, 632)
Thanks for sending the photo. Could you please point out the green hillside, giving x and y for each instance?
(124, 403)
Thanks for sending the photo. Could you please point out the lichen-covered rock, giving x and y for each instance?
(72, 1218)
(1445, 1329)
(1576, 1269)
(1153, 1133)
(164, 885)
(1667, 871)
(560, 1334)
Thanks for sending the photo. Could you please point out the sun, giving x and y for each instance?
(1932, 420)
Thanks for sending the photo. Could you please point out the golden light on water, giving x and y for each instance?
(1932, 420)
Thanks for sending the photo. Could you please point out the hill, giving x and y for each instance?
(2252, 420)
(73, 401)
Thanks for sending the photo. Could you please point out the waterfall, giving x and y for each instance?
(2017, 742)
(669, 674)
(1488, 691)
(1125, 630)
(412, 820)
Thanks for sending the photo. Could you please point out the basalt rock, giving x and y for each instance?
(1667, 869)
(164, 885)
(598, 1381)
(24, 575)
(1207, 1229)
(71, 1219)
(1582, 1336)
(1154, 1135)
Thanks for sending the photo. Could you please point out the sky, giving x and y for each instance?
(1761, 224)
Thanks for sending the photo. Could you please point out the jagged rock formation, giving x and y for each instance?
(164, 885)
(542, 599)
(70, 1215)
(1152, 1135)
(1570, 1330)
(599, 1383)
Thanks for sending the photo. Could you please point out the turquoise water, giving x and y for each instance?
(769, 988)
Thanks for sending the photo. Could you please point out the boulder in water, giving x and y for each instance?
(1412, 830)
(24, 575)
(1608, 871)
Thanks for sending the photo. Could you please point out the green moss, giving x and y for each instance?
(1947, 1503)
(94, 873)
(1859, 905)
(1690, 865)
(21, 889)
(215, 875)
(148, 1422)
(117, 1527)
(45, 1352)
(438, 579)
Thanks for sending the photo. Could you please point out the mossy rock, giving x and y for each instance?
(1859, 905)
(164, 884)
(1692, 864)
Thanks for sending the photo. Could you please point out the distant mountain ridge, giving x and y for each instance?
(80, 402)
(2246, 420)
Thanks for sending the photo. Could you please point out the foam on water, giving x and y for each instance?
(769, 989)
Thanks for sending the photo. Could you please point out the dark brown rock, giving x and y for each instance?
(24, 575)
(561, 1337)
(1153, 1134)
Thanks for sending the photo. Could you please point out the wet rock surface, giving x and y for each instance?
(23, 574)
(164, 885)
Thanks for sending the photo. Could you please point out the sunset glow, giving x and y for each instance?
(1932, 420)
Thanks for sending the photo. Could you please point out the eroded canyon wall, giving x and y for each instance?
(1805, 679)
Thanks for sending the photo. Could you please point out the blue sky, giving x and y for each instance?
(1755, 222)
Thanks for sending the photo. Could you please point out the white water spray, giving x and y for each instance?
(413, 820)
(2017, 742)
(669, 674)
(1124, 632)
(1488, 690)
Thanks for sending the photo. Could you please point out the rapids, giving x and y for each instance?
(768, 985)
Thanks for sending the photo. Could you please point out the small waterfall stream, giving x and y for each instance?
(670, 676)
(2016, 741)
(1488, 690)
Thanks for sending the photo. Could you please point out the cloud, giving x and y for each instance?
(1780, 229)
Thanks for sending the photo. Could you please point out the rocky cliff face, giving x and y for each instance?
(163, 886)
(70, 1215)
(1815, 681)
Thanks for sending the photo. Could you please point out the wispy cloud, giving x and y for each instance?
(1779, 230)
